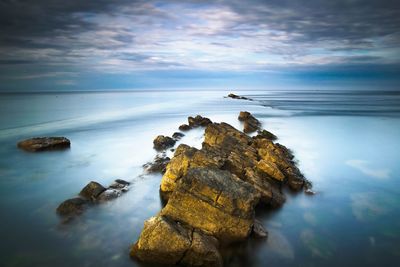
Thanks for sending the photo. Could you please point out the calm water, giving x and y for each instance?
(346, 143)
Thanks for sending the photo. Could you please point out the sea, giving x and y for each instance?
(346, 142)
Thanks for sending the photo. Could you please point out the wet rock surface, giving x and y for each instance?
(159, 164)
(162, 142)
(212, 193)
(92, 193)
(44, 144)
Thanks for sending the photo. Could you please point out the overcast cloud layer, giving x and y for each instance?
(62, 41)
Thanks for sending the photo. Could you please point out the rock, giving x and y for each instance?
(244, 115)
(92, 190)
(123, 182)
(211, 193)
(250, 123)
(203, 251)
(214, 201)
(162, 142)
(168, 242)
(259, 230)
(109, 194)
(73, 206)
(44, 143)
(270, 169)
(184, 127)
(158, 165)
(198, 121)
(264, 134)
(177, 136)
(239, 97)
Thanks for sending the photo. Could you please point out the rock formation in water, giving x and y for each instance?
(44, 143)
(239, 97)
(92, 193)
(211, 193)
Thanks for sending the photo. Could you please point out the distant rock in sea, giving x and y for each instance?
(239, 97)
(44, 143)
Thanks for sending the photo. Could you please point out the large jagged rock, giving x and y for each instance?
(168, 242)
(214, 201)
(162, 142)
(212, 193)
(44, 143)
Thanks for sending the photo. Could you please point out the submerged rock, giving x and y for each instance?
(92, 193)
(259, 230)
(177, 136)
(44, 143)
(92, 190)
(162, 142)
(158, 165)
(184, 127)
(73, 206)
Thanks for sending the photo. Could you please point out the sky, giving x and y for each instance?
(96, 45)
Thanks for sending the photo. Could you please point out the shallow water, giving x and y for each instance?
(346, 143)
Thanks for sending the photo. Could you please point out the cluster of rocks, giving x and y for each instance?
(231, 95)
(161, 143)
(44, 143)
(211, 194)
(92, 193)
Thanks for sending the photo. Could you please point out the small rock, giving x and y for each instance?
(238, 97)
(259, 230)
(92, 190)
(199, 121)
(250, 123)
(177, 135)
(73, 206)
(266, 134)
(44, 143)
(309, 192)
(120, 181)
(162, 142)
(108, 195)
(158, 165)
(184, 127)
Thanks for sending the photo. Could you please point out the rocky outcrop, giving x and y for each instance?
(162, 142)
(212, 192)
(231, 95)
(214, 201)
(250, 123)
(92, 193)
(44, 143)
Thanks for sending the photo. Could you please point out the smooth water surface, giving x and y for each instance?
(346, 143)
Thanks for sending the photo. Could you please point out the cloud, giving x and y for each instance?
(129, 36)
(365, 167)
